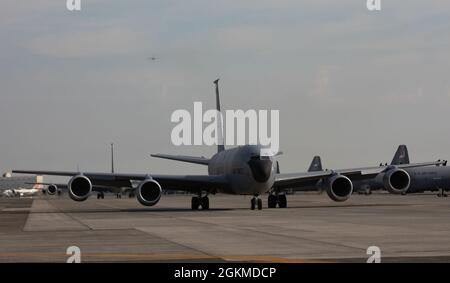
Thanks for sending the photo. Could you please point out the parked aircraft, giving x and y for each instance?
(420, 179)
(241, 171)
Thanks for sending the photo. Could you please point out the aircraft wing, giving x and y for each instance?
(307, 179)
(95, 188)
(168, 182)
(47, 184)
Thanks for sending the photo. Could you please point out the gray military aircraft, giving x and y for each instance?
(240, 171)
(401, 156)
(430, 178)
(419, 179)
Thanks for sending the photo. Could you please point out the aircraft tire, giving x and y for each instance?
(272, 201)
(282, 201)
(195, 203)
(259, 204)
(205, 203)
(253, 204)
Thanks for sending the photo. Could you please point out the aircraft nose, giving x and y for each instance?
(261, 169)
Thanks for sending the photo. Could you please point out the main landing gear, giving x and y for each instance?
(100, 195)
(275, 199)
(442, 193)
(119, 195)
(256, 202)
(198, 201)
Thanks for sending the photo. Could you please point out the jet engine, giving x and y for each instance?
(339, 188)
(80, 187)
(52, 189)
(149, 192)
(396, 181)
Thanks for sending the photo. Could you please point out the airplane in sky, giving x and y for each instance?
(240, 171)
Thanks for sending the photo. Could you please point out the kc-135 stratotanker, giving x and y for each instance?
(240, 171)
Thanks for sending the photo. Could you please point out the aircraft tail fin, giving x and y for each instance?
(401, 156)
(190, 159)
(316, 164)
(220, 145)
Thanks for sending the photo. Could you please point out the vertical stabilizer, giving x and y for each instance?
(220, 145)
(401, 156)
(316, 164)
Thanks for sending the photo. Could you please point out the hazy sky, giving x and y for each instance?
(350, 84)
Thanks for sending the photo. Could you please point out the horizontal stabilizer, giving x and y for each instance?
(190, 159)
(401, 156)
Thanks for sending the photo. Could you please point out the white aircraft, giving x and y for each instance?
(19, 186)
(21, 192)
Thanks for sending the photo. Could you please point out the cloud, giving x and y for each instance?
(112, 41)
(321, 83)
(247, 37)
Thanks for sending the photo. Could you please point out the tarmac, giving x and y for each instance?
(411, 228)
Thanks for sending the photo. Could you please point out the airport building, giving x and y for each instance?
(9, 182)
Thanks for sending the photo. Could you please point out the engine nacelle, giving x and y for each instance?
(396, 181)
(339, 188)
(80, 187)
(52, 189)
(149, 192)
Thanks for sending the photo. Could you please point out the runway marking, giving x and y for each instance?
(36, 221)
(19, 209)
(169, 256)
(186, 218)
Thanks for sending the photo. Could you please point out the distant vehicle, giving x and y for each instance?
(19, 186)
(241, 171)
(21, 192)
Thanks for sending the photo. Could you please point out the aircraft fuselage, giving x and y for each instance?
(247, 172)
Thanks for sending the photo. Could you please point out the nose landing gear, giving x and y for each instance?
(442, 193)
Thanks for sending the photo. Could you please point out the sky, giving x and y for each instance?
(349, 84)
